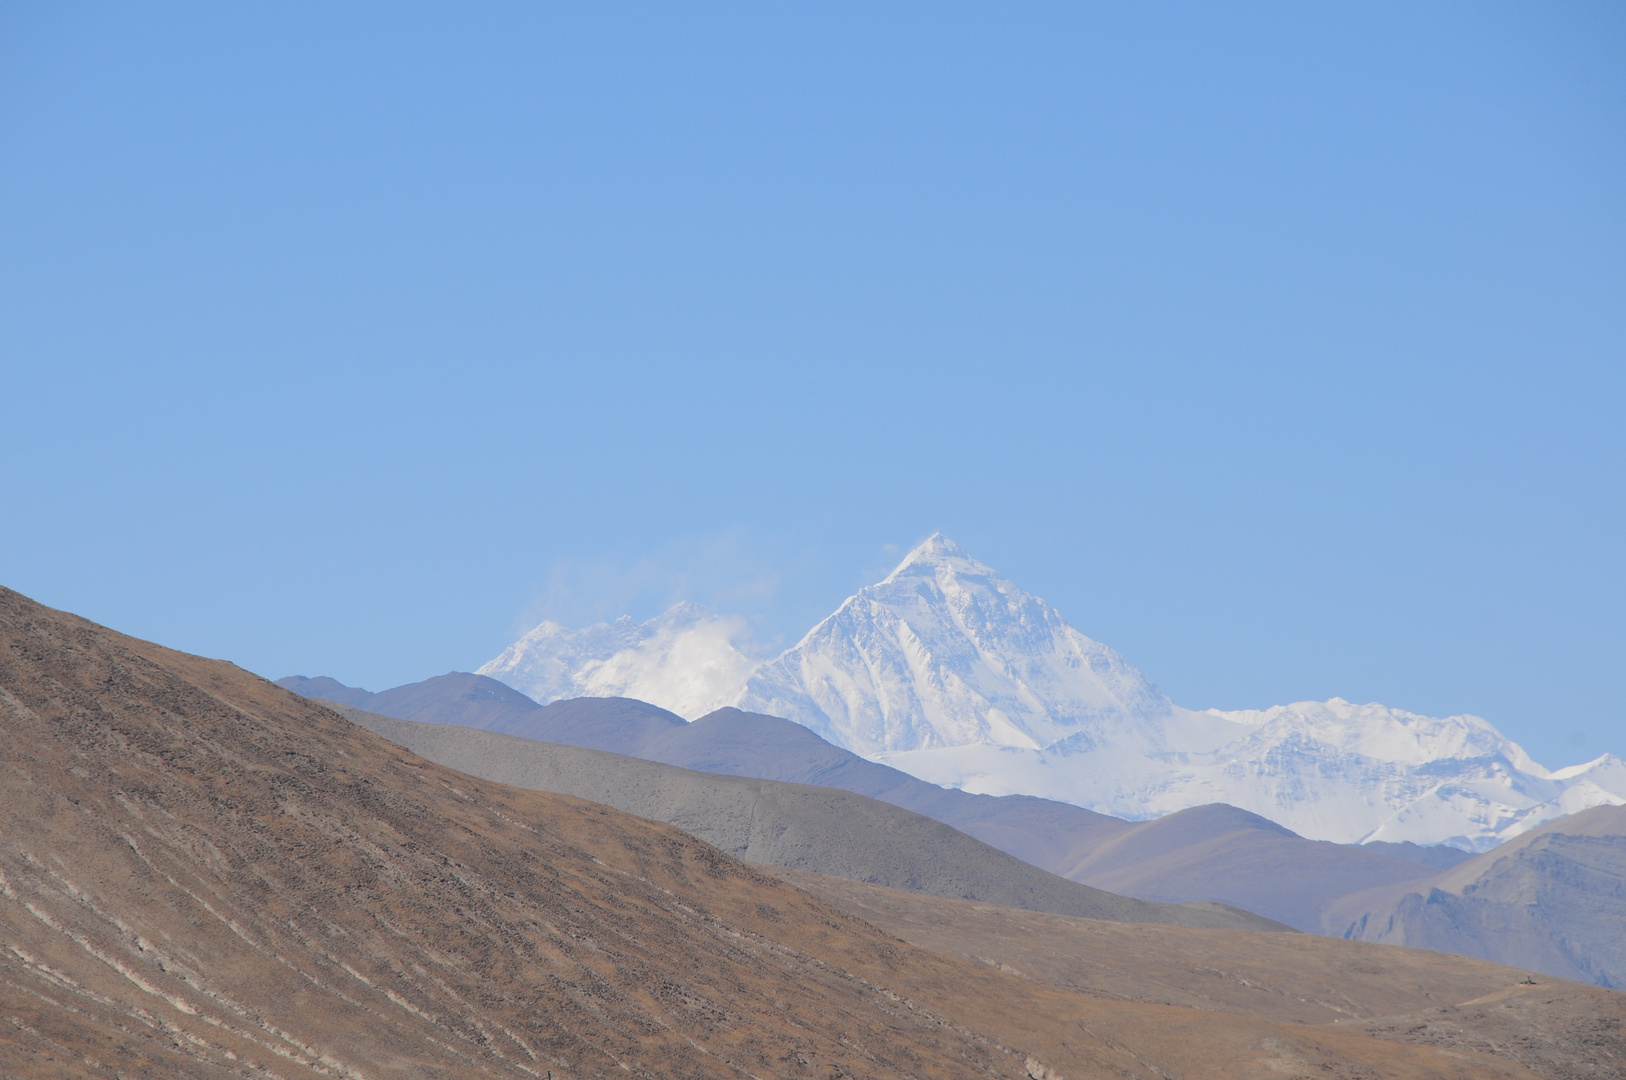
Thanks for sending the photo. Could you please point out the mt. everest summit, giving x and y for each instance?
(950, 672)
(946, 653)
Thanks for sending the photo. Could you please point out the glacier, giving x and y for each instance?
(947, 670)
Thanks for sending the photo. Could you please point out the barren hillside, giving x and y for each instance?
(205, 875)
(1554, 1026)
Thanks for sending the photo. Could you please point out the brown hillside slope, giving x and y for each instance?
(206, 876)
(1556, 1027)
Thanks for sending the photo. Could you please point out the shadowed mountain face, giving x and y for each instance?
(203, 875)
(1439, 856)
(1226, 852)
(1552, 900)
(1215, 853)
(331, 690)
(612, 724)
(820, 829)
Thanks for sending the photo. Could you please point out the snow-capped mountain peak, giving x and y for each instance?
(938, 553)
(948, 670)
(1383, 733)
(946, 652)
(687, 660)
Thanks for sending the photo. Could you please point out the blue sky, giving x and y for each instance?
(1280, 347)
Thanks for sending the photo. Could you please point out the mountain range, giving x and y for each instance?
(1216, 853)
(798, 826)
(204, 875)
(948, 671)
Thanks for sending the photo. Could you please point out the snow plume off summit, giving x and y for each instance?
(950, 672)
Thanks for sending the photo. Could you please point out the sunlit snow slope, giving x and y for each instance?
(685, 660)
(950, 672)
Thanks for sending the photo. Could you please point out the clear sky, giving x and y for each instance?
(1282, 348)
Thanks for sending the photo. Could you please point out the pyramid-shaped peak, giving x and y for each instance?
(938, 552)
(941, 546)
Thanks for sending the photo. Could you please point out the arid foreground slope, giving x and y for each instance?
(1555, 1027)
(206, 875)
